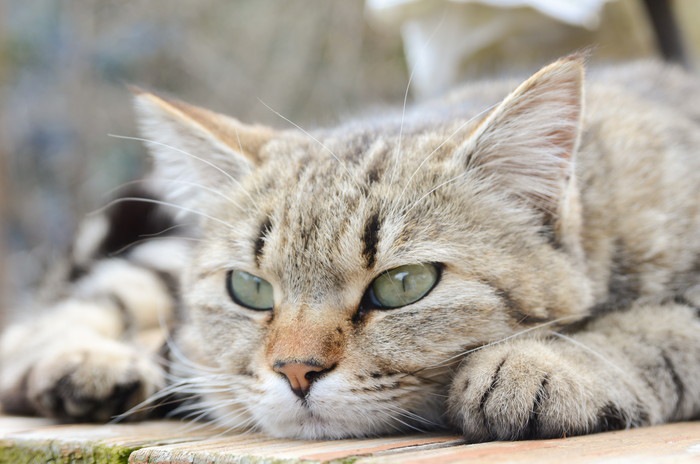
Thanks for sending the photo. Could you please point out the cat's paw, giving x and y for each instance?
(530, 389)
(91, 381)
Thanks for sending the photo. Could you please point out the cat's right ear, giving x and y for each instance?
(196, 151)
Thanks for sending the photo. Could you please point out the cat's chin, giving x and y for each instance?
(325, 414)
(312, 429)
(290, 417)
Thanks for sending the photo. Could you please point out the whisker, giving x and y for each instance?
(152, 401)
(243, 428)
(152, 180)
(162, 203)
(389, 419)
(439, 186)
(202, 187)
(149, 237)
(455, 132)
(408, 425)
(397, 152)
(458, 357)
(591, 351)
(325, 147)
(207, 162)
(187, 363)
(416, 417)
(155, 142)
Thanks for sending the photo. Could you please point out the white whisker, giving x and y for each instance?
(397, 152)
(155, 142)
(437, 187)
(149, 237)
(458, 357)
(162, 203)
(207, 162)
(325, 147)
(152, 180)
(455, 132)
(590, 350)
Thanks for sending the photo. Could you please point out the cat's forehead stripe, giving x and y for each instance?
(370, 239)
(263, 232)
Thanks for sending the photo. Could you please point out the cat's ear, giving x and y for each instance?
(528, 142)
(196, 151)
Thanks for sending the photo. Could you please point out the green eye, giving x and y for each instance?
(403, 285)
(250, 291)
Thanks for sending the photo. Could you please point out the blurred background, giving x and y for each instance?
(64, 67)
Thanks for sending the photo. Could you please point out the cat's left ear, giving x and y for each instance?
(196, 151)
(528, 142)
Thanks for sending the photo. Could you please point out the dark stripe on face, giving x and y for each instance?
(264, 231)
(377, 165)
(370, 240)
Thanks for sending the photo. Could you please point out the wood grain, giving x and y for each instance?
(28, 440)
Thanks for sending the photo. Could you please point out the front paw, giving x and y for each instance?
(91, 381)
(535, 389)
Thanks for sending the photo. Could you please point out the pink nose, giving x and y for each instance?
(300, 375)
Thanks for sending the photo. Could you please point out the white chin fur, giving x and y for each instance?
(328, 413)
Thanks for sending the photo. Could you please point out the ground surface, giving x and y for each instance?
(29, 440)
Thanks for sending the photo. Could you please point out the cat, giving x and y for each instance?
(508, 262)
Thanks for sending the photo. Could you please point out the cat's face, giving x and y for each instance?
(343, 275)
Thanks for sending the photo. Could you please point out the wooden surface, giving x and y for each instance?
(27, 440)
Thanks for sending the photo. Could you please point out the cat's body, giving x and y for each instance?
(550, 251)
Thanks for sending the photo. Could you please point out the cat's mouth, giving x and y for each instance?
(333, 409)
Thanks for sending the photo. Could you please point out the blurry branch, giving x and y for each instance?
(668, 34)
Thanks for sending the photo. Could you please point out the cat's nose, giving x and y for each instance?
(301, 375)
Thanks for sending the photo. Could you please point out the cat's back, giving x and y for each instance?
(639, 176)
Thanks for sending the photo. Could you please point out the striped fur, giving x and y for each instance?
(563, 218)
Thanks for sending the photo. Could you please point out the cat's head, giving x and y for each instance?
(343, 274)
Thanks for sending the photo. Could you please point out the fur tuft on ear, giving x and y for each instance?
(528, 143)
(196, 152)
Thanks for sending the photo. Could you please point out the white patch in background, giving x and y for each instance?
(439, 36)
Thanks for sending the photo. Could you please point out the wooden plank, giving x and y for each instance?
(259, 448)
(83, 443)
(668, 443)
(26, 440)
(13, 424)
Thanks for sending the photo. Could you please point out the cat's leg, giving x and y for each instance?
(82, 359)
(626, 369)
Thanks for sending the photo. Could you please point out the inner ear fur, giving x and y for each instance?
(196, 151)
(244, 139)
(527, 144)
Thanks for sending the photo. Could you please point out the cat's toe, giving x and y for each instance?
(92, 384)
(527, 390)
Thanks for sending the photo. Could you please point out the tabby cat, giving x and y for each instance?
(506, 265)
